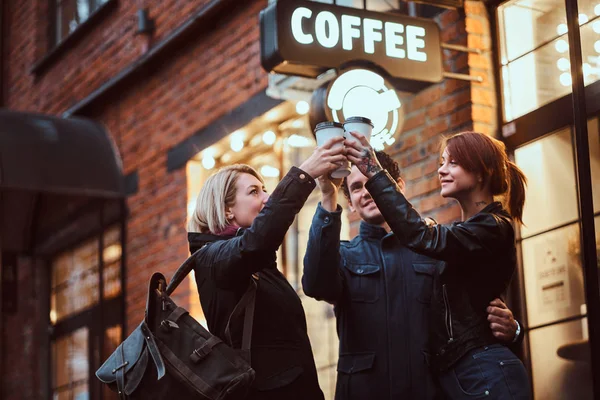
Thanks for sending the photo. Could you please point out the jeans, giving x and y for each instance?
(489, 372)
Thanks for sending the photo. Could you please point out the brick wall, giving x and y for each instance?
(183, 94)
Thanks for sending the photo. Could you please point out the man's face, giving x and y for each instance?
(360, 199)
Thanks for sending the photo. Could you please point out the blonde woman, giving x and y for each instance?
(241, 227)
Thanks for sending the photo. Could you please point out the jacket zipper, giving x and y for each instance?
(448, 314)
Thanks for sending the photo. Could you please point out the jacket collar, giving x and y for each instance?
(196, 239)
(369, 231)
(494, 207)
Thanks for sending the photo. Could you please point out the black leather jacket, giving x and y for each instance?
(281, 352)
(479, 257)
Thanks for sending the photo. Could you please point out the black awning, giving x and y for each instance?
(50, 170)
(49, 154)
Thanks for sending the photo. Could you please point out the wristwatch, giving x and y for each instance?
(517, 333)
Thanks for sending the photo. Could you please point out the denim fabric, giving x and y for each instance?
(382, 295)
(489, 372)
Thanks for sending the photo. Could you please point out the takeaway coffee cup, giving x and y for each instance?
(325, 131)
(361, 125)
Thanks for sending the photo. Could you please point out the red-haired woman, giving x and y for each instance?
(479, 257)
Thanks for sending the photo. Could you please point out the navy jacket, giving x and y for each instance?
(381, 291)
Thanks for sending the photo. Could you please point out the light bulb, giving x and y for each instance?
(561, 46)
(302, 107)
(269, 137)
(583, 19)
(269, 172)
(237, 141)
(208, 162)
(565, 79)
(561, 29)
(563, 64)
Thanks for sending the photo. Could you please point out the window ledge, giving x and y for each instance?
(82, 29)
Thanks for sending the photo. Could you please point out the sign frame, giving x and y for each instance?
(407, 49)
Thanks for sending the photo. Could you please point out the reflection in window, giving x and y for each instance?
(70, 367)
(76, 280)
(551, 196)
(553, 275)
(535, 52)
(71, 13)
(556, 377)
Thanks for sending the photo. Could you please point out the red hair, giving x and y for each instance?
(485, 156)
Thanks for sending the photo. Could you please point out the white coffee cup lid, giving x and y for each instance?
(328, 124)
(364, 120)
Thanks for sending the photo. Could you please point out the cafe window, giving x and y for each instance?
(85, 314)
(551, 263)
(534, 52)
(69, 14)
(272, 143)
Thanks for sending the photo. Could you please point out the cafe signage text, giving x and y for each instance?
(306, 38)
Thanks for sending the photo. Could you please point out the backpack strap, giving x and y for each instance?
(183, 271)
(246, 306)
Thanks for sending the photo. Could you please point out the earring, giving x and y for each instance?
(230, 216)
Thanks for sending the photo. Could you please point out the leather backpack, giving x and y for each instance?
(171, 356)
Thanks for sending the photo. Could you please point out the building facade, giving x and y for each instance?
(180, 87)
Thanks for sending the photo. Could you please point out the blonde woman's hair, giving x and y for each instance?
(217, 193)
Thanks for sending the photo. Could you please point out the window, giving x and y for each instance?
(69, 14)
(534, 52)
(553, 276)
(81, 322)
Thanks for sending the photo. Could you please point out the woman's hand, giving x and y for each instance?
(361, 154)
(329, 191)
(325, 159)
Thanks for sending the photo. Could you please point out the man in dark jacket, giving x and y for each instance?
(381, 291)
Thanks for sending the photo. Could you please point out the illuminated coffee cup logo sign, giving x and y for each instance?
(306, 38)
(361, 92)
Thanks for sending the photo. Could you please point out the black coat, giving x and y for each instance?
(479, 257)
(281, 352)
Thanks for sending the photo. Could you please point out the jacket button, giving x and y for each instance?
(487, 392)
(442, 351)
(302, 176)
(327, 219)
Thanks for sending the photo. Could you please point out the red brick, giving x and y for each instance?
(461, 117)
(418, 188)
(448, 214)
(432, 202)
(484, 114)
(420, 170)
(477, 25)
(475, 8)
(414, 121)
(482, 96)
(424, 98)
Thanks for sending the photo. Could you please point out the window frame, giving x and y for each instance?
(54, 49)
(97, 318)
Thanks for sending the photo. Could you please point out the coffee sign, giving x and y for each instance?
(306, 38)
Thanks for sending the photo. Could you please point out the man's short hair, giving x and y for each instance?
(386, 162)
